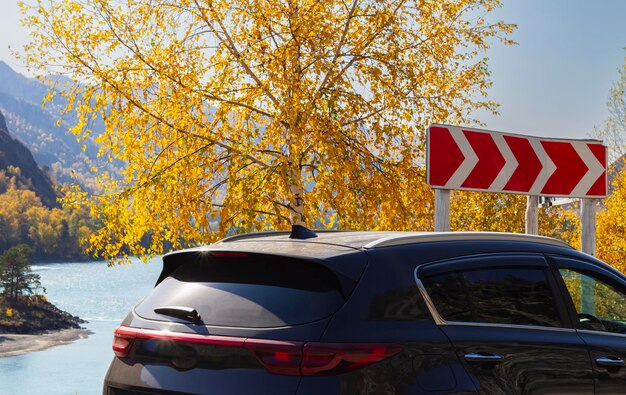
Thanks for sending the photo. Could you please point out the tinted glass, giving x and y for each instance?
(501, 295)
(449, 296)
(600, 306)
(512, 296)
(255, 291)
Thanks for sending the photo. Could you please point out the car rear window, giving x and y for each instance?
(248, 290)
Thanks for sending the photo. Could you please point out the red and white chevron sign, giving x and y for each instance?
(480, 160)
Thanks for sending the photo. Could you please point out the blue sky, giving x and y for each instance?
(554, 83)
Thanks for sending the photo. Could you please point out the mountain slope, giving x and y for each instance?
(50, 142)
(14, 153)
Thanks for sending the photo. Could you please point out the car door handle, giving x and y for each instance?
(610, 361)
(482, 357)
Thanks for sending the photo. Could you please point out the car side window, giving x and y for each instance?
(449, 295)
(599, 305)
(514, 296)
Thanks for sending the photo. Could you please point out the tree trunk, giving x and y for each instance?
(293, 170)
(297, 198)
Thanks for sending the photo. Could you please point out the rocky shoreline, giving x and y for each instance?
(30, 315)
(31, 323)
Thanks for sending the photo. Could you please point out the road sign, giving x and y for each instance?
(481, 160)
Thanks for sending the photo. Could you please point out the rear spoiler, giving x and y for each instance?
(347, 275)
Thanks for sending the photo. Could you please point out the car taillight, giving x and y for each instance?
(316, 359)
(278, 357)
(337, 358)
(124, 337)
(123, 340)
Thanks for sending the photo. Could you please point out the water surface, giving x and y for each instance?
(99, 294)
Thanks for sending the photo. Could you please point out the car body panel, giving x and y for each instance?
(533, 360)
(384, 304)
(601, 344)
(514, 359)
(155, 378)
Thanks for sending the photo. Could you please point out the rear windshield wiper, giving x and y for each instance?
(185, 313)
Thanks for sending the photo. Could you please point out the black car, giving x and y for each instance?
(376, 313)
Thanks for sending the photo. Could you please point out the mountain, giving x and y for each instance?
(44, 131)
(27, 89)
(14, 153)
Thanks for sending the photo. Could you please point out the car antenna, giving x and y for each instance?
(300, 232)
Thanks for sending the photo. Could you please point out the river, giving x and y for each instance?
(99, 294)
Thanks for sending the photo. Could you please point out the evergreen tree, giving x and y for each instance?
(16, 276)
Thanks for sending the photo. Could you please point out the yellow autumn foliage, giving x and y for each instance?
(495, 212)
(611, 226)
(52, 233)
(239, 115)
(612, 217)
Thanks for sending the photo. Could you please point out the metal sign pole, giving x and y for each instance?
(588, 245)
(588, 225)
(532, 215)
(442, 210)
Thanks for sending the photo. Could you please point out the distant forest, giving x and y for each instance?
(52, 233)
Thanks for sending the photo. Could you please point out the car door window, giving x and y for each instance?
(449, 295)
(600, 305)
(511, 295)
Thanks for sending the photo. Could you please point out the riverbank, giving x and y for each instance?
(11, 344)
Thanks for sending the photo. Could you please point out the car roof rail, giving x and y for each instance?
(397, 240)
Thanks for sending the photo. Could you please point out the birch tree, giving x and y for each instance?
(234, 115)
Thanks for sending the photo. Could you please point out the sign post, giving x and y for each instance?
(481, 160)
(442, 210)
(532, 215)
(588, 225)
(588, 245)
(487, 161)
